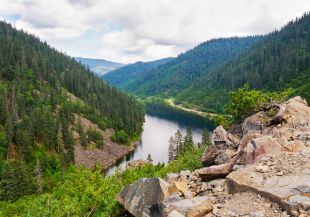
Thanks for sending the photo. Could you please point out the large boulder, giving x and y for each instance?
(295, 112)
(224, 156)
(215, 171)
(221, 137)
(224, 146)
(143, 198)
(282, 178)
(254, 124)
(264, 145)
(210, 154)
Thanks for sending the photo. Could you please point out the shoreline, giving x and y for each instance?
(171, 103)
(131, 149)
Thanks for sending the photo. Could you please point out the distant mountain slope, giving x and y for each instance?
(280, 60)
(99, 66)
(124, 76)
(190, 66)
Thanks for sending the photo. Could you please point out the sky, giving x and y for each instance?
(127, 31)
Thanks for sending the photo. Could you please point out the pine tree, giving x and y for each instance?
(81, 132)
(188, 140)
(149, 158)
(39, 177)
(15, 181)
(68, 142)
(206, 140)
(171, 150)
(24, 138)
(178, 141)
(9, 127)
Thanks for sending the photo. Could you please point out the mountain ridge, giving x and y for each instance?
(124, 76)
(99, 66)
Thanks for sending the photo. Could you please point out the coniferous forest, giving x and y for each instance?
(55, 110)
(40, 91)
(202, 77)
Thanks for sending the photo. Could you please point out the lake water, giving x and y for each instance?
(160, 124)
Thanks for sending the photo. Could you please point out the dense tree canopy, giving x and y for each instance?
(124, 76)
(172, 76)
(41, 93)
(280, 60)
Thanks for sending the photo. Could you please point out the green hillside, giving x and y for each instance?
(280, 60)
(124, 76)
(41, 92)
(187, 68)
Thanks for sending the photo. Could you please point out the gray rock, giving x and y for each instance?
(221, 137)
(144, 197)
(210, 154)
(224, 156)
(173, 198)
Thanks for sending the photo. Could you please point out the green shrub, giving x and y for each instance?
(96, 137)
(222, 120)
(81, 192)
(120, 137)
(244, 102)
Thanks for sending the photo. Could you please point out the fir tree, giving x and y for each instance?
(188, 140)
(81, 132)
(206, 140)
(149, 158)
(15, 181)
(178, 141)
(39, 177)
(171, 150)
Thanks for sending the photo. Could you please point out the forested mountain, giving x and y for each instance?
(124, 76)
(189, 67)
(280, 60)
(99, 66)
(41, 90)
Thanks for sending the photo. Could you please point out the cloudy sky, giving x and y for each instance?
(131, 30)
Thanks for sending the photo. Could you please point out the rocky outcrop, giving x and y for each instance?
(91, 156)
(261, 170)
(224, 147)
(284, 179)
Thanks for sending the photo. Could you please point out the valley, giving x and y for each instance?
(203, 111)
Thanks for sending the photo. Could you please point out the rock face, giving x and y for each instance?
(260, 169)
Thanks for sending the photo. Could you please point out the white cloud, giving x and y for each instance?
(128, 31)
